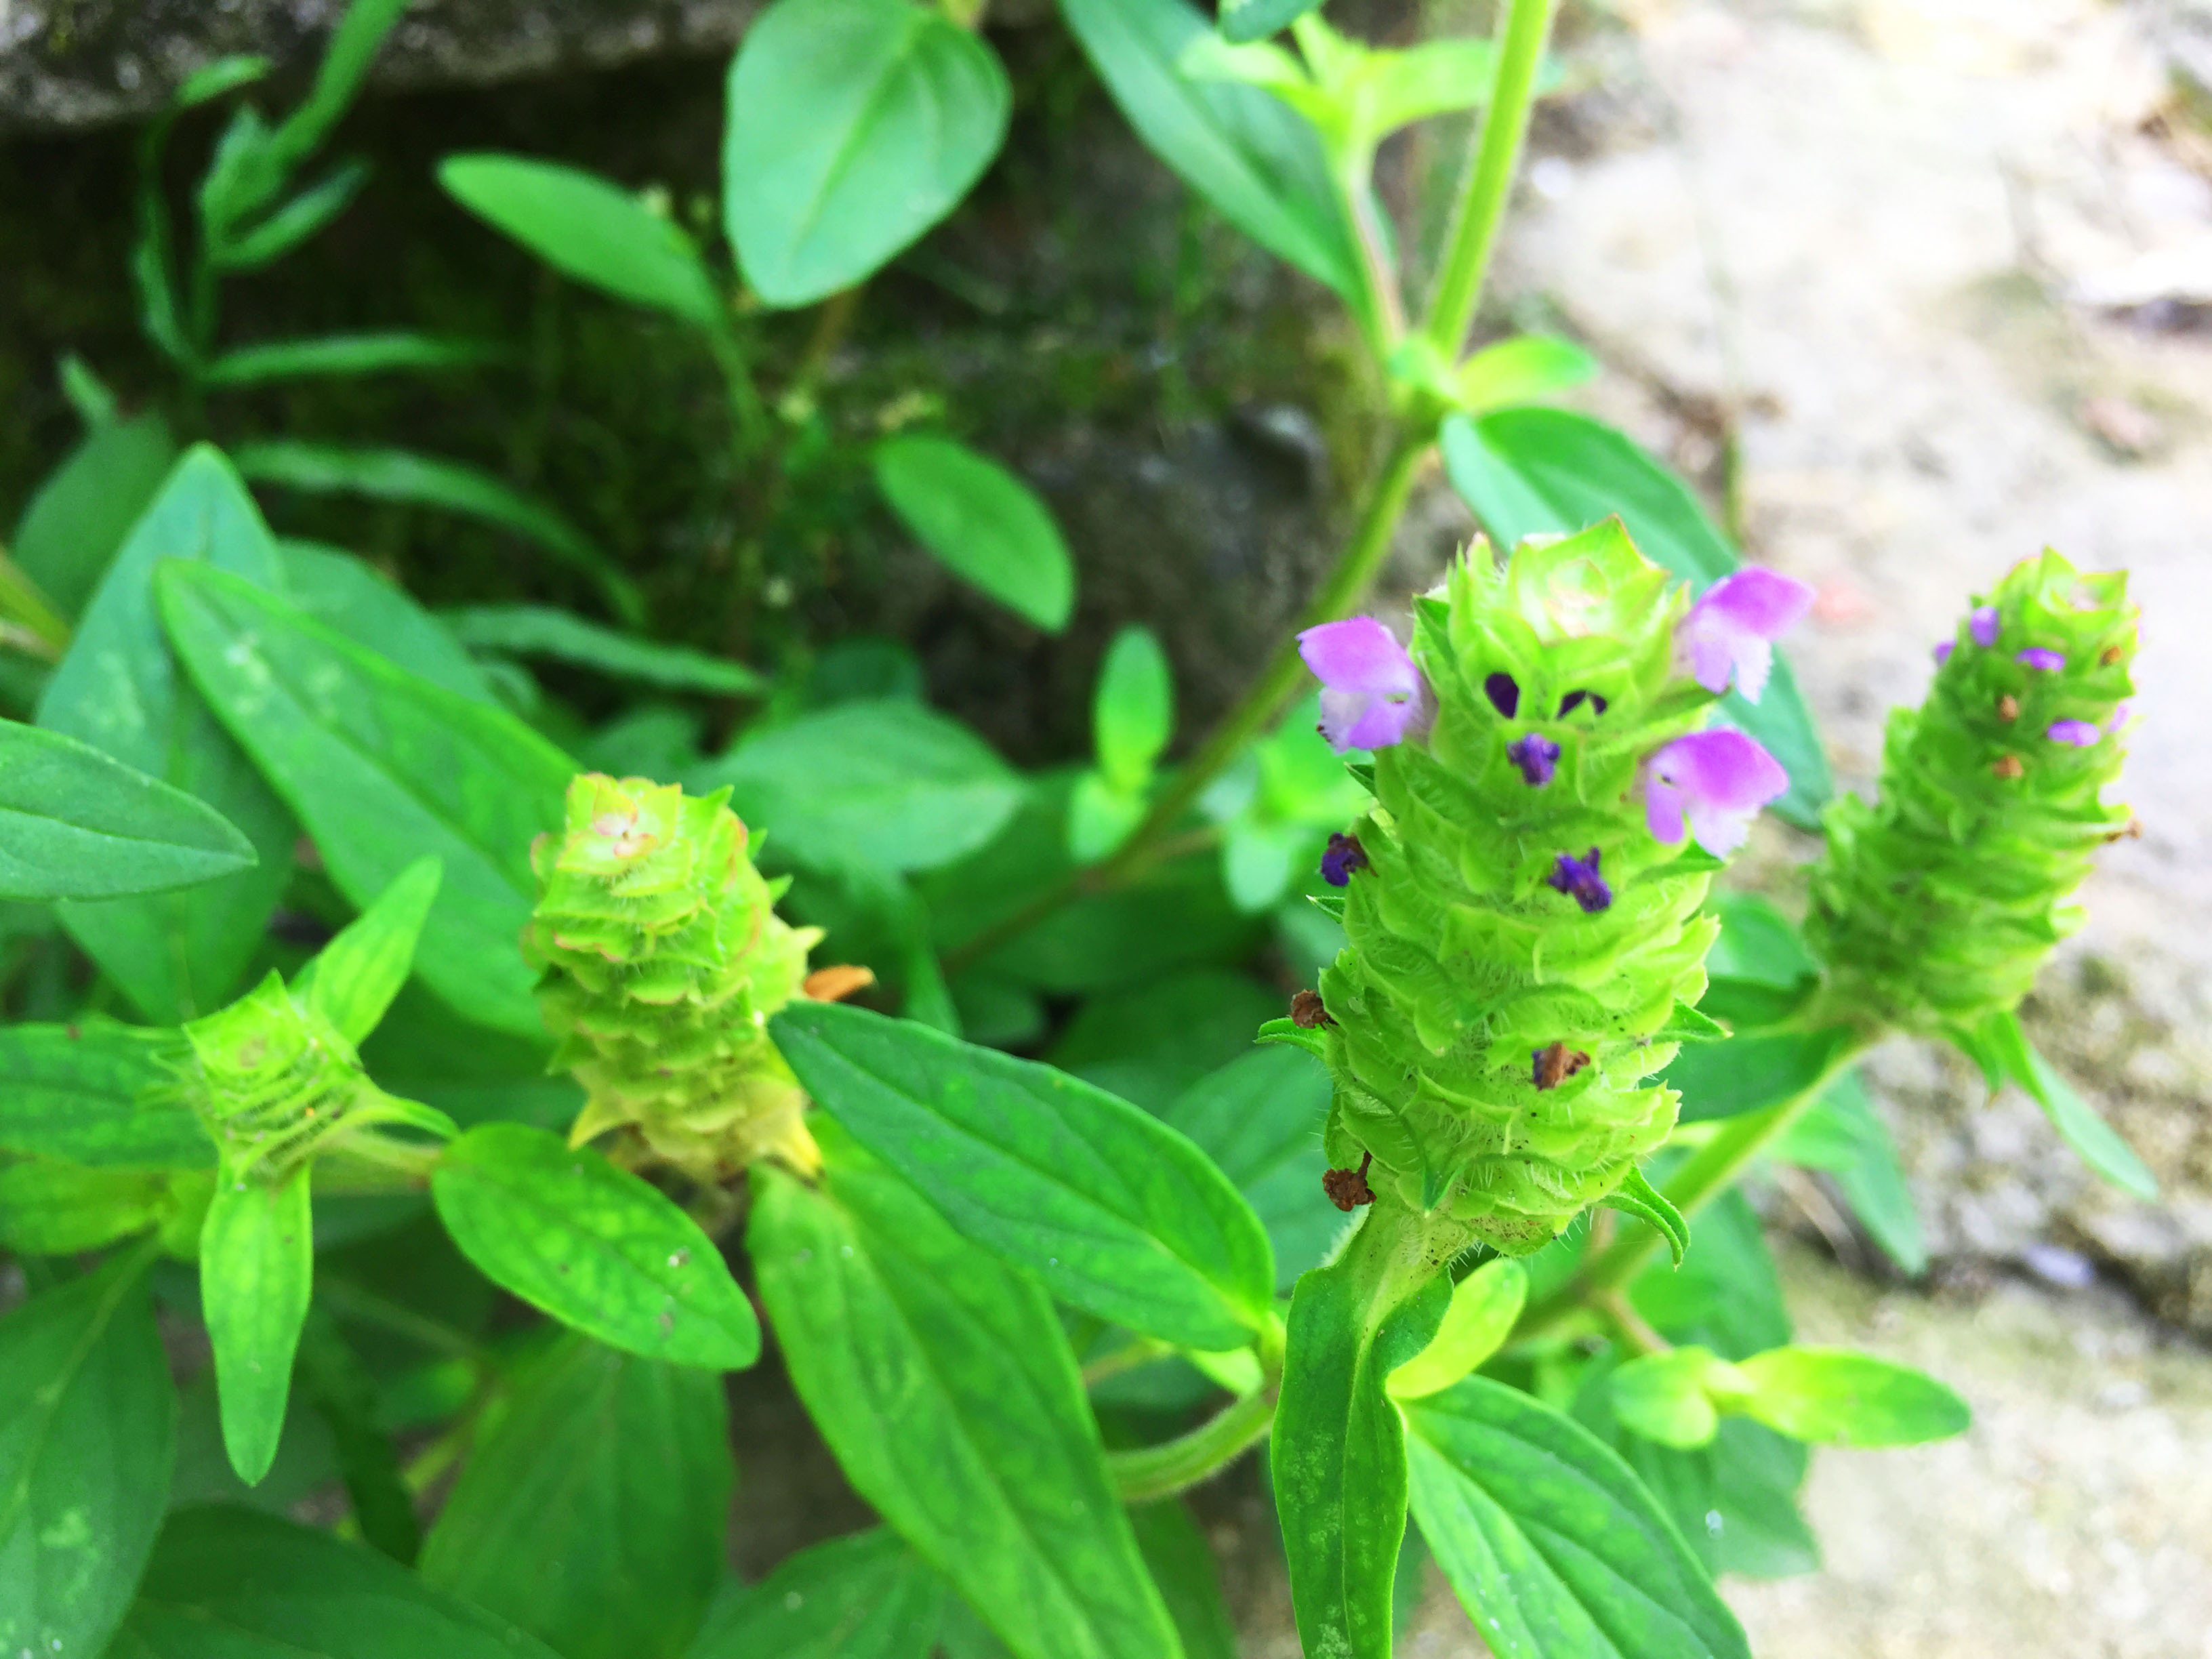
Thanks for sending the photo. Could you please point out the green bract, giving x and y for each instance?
(663, 959)
(1463, 964)
(1935, 907)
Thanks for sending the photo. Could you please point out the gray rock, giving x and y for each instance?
(67, 63)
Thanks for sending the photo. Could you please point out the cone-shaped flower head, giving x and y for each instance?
(275, 1083)
(1512, 900)
(1934, 907)
(663, 959)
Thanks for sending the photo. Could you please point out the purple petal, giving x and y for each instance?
(1537, 757)
(1983, 625)
(2049, 661)
(1728, 633)
(1345, 855)
(1943, 654)
(1718, 780)
(2076, 734)
(1578, 878)
(1359, 654)
(2121, 712)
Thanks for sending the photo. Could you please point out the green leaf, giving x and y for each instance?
(1183, 1565)
(1100, 817)
(1338, 1448)
(942, 1383)
(228, 1582)
(1753, 1073)
(2095, 1142)
(1637, 1196)
(1759, 970)
(1832, 1395)
(88, 1437)
(537, 630)
(1842, 1133)
(289, 225)
(75, 824)
(177, 955)
(588, 229)
(1260, 1119)
(864, 1596)
(1668, 1397)
(1484, 1306)
(353, 979)
(1256, 19)
(1734, 1500)
(381, 768)
(338, 77)
(889, 784)
(353, 597)
(51, 1208)
(593, 1514)
(76, 522)
(984, 523)
(1725, 1295)
(1133, 713)
(854, 126)
(1527, 471)
(344, 355)
(257, 1270)
(1553, 1545)
(99, 1093)
(1113, 1211)
(215, 80)
(596, 1247)
(401, 474)
(1150, 1043)
(1521, 370)
(1259, 165)
(344, 1392)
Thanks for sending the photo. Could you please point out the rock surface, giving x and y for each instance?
(69, 64)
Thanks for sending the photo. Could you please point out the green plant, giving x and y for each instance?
(478, 1192)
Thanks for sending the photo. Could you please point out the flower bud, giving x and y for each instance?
(663, 957)
(1524, 920)
(1934, 907)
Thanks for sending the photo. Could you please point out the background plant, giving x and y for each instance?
(1102, 1242)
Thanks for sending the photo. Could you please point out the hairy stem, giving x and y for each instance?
(1164, 1470)
(1490, 167)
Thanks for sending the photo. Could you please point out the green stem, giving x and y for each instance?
(745, 406)
(1267, 697)
(1490, 167)
(1164, 1470)
(1702, 1177)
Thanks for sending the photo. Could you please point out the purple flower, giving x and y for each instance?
(2075, 734)
(1943, 654)
(1983, 625)
(2049, 661)
(1577, 877)
(1730, 631)
(1537, 757)
(1718, 780)
(1372, 695)
(1345, 855)
(2121, 712)
(1504, 692)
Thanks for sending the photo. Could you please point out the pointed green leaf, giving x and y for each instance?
(982, 522)
(2098, 1144)
(51, 1208)
(1842, 1133)
(1554, 1545)
(85, 507)
(257, 1270)
(865, 1596)
(353, 979)
(1527, 471)
(75, 824)
(588, 229)
(1256, 19)
(942, 1383)
(1260, 1119)
(1668, 1397)
(343, 354)
(382, 768)
(120, 689)
(1834, 1395)
(1337, 1448)
(230, 1582)
(1522, 370)
(1753, 1072)
(593, 1514)
(1637, 1197)
(1183, 1565)
(854, 126)
(1113, 1211)
(88, 1437)
(598, 1248)
(353, 597)
(1259, 165)
(1484, 1306)
(1133, 713)
(537, 630)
